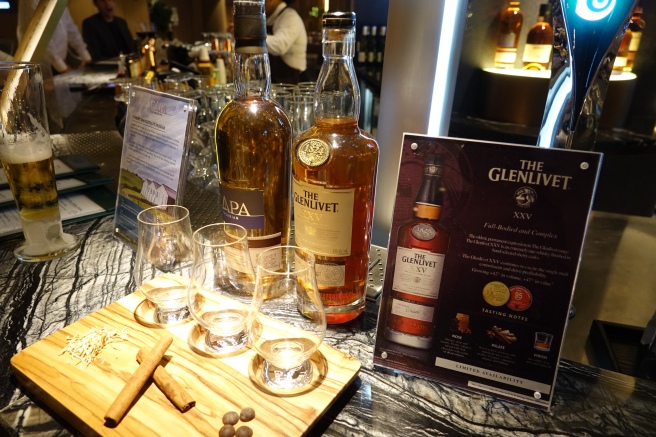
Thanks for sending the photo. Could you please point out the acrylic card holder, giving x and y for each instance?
(158, 132)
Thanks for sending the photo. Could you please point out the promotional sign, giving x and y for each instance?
(154, 159)
(484, 250)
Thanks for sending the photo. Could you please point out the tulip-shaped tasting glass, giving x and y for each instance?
(164, 260)
(221, 286)
(287, 321)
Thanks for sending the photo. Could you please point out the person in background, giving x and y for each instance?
(286, 42)
(106, 35)
(65, 34)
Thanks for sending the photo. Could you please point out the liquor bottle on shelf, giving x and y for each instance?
(334, 176)
(636, 25)
(253, 140)
(510, 26)
(539, 41)
(422, 244)
(363, 43)
(380, 53)
(622, 57)
(372, 46)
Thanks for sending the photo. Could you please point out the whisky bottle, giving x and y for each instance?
(537, 50)
(508, 37)
(334, 175)
(363, 42)
(371, 46)
(622, 57)
(380, 48)
(422, 244)
(253, 140)
(636, 25)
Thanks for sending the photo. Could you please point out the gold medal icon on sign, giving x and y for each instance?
(496, 293)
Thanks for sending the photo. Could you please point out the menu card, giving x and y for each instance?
(154, 158)
(484, 251)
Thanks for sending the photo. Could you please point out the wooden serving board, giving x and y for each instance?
(82, 395)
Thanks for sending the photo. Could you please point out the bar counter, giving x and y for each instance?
(39, 299)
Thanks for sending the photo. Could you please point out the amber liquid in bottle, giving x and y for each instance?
(253, 141)
(508, 36)
(539, 41)
(422, 244)
(334, 173)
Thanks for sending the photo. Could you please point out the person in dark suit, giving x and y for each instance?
(106, 35)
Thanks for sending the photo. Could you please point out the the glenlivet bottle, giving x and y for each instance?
(253, 140)
(334, 177)
(422, 244)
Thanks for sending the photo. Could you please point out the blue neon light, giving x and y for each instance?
(594, 10)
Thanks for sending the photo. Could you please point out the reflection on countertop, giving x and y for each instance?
(616, 281)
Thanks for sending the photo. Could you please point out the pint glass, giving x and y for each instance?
(26, 154)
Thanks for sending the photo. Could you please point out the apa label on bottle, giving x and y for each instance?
(418, 272)
(323, 219)
(243, 207)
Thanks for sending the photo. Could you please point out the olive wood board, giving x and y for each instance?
(81, 395)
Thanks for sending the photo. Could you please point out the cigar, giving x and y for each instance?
(136, 382)
(169, 386)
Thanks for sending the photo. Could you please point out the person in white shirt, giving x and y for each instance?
(66, 33)
(286, 42)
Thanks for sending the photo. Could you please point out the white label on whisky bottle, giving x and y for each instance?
(505, 57)
(418, 272)
(620, 61)
(257, 245)
(328, 273)
(412, 310)
(540, 53)
(635, 41)
(323, 219)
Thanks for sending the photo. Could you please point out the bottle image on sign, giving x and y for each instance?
(334, 175)
(253, 141)
(422, 244)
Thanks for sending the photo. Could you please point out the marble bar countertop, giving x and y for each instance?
(39, 299)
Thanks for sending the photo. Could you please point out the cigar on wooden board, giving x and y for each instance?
(136, 382)
(169, 386)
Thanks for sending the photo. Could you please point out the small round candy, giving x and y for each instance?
(244, 431)
(227, 431)
(247, 414)
(230, 418)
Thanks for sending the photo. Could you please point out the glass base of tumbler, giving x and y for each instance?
(48, 249)
(167, 316)
(285, 379)
(222, 344)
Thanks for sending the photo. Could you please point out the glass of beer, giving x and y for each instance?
(26, 154)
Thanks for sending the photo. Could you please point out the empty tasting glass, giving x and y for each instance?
(287, 321)
(164, 260)
(221, 286)
(26, 154)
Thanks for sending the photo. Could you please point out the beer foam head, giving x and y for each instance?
(28, 150)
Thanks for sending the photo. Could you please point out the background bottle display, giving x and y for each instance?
(253, 140)
(508, 37)
(422, 244)
(334, 174)
(636, 25)
(539, 41)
